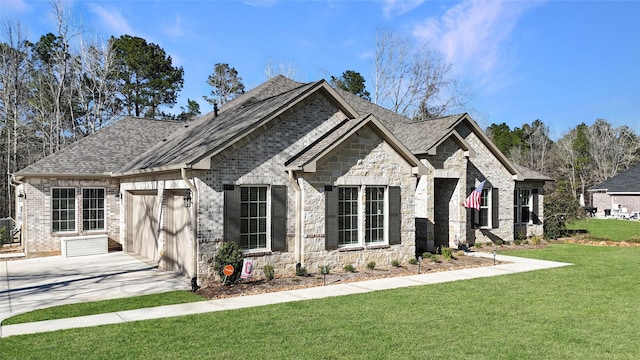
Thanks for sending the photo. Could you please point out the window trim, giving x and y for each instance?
(486, 194)
(268, 216)
(75, 210)
(362, 229)
(519, 207)
(104, 209)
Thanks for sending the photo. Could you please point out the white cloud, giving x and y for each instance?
(112, 19)
(262, 3)
(475, 37)
(399, 7)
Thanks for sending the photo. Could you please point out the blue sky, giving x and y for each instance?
(563, 62)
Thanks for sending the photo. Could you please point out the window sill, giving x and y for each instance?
(351, 248)
(378, 246)
(251, 253)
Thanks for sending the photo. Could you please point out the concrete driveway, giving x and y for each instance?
(31, 284)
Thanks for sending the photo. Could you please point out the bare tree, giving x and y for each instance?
(14, 92)
(413, 80)
(612, 149)
(97, 88)
(287, 70)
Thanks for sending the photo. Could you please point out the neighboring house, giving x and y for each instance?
(295, 173)
(620, 195)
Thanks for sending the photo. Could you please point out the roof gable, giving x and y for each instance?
(210, 135)
(307, 159)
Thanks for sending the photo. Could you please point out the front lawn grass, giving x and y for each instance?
(585, 311)
(609, 229)
(104, 306)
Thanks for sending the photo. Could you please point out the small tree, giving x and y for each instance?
(226, 84)
(352, 82)
(560, 207)
(229, 253)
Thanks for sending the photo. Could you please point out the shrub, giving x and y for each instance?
(324, 269)
(413, 261)
(371, 265)
(349, 268)
(517, 241)
(301, 271)
(229, 253)
(269, 272)
(446, 253)
(459, 253)
(535, 240)
(395, 263)
(426, 255)
(433, 258)
(478, 245)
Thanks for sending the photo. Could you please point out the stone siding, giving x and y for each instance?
(364, 159)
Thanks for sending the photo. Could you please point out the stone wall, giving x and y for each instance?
(364, 159)
(38, 236)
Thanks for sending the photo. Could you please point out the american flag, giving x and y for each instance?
(473, 200)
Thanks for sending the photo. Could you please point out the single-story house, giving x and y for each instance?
(298, 174)
(618, 196)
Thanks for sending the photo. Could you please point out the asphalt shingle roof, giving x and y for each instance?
(211, 133)
(626, 181)
(107, 150)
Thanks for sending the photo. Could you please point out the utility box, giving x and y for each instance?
(84, 245)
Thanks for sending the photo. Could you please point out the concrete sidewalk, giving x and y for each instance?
(515, 265)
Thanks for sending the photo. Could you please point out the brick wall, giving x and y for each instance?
(38, 236)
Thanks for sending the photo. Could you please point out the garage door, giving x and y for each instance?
(178, 243)
(142, 225)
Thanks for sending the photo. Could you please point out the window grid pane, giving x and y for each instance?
(93, 209)
(484, 208)
(374, 214)
(524, 201)
(253, 218)
(64, 210)
(347, 215)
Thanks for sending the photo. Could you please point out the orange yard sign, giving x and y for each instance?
(228, 270)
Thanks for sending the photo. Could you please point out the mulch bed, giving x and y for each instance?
(216, 290)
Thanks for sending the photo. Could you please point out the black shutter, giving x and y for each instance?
(495, 206)
(331, 217)
(535, 211)
(232, 213)
(395, 215)
(278, 218)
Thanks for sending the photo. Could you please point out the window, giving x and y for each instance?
(347, 216)
(374, 215)
(521, 206)
(356, 216)
(484, 208)
(93, 209)
(253, 218)
(64, 210)
(488, 216)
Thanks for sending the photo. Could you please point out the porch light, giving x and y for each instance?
(22, 195)
(187, 198)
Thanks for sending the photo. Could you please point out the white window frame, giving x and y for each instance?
(487, 206)
(104, 209)
(519, 206)
(362, 217)
(75, 210)
(267, 231)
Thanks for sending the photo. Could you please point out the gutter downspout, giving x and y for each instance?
(194, 217)
(298, 252)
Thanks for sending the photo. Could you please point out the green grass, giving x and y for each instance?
(610, 229)
(585, 311)
(105, 306)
